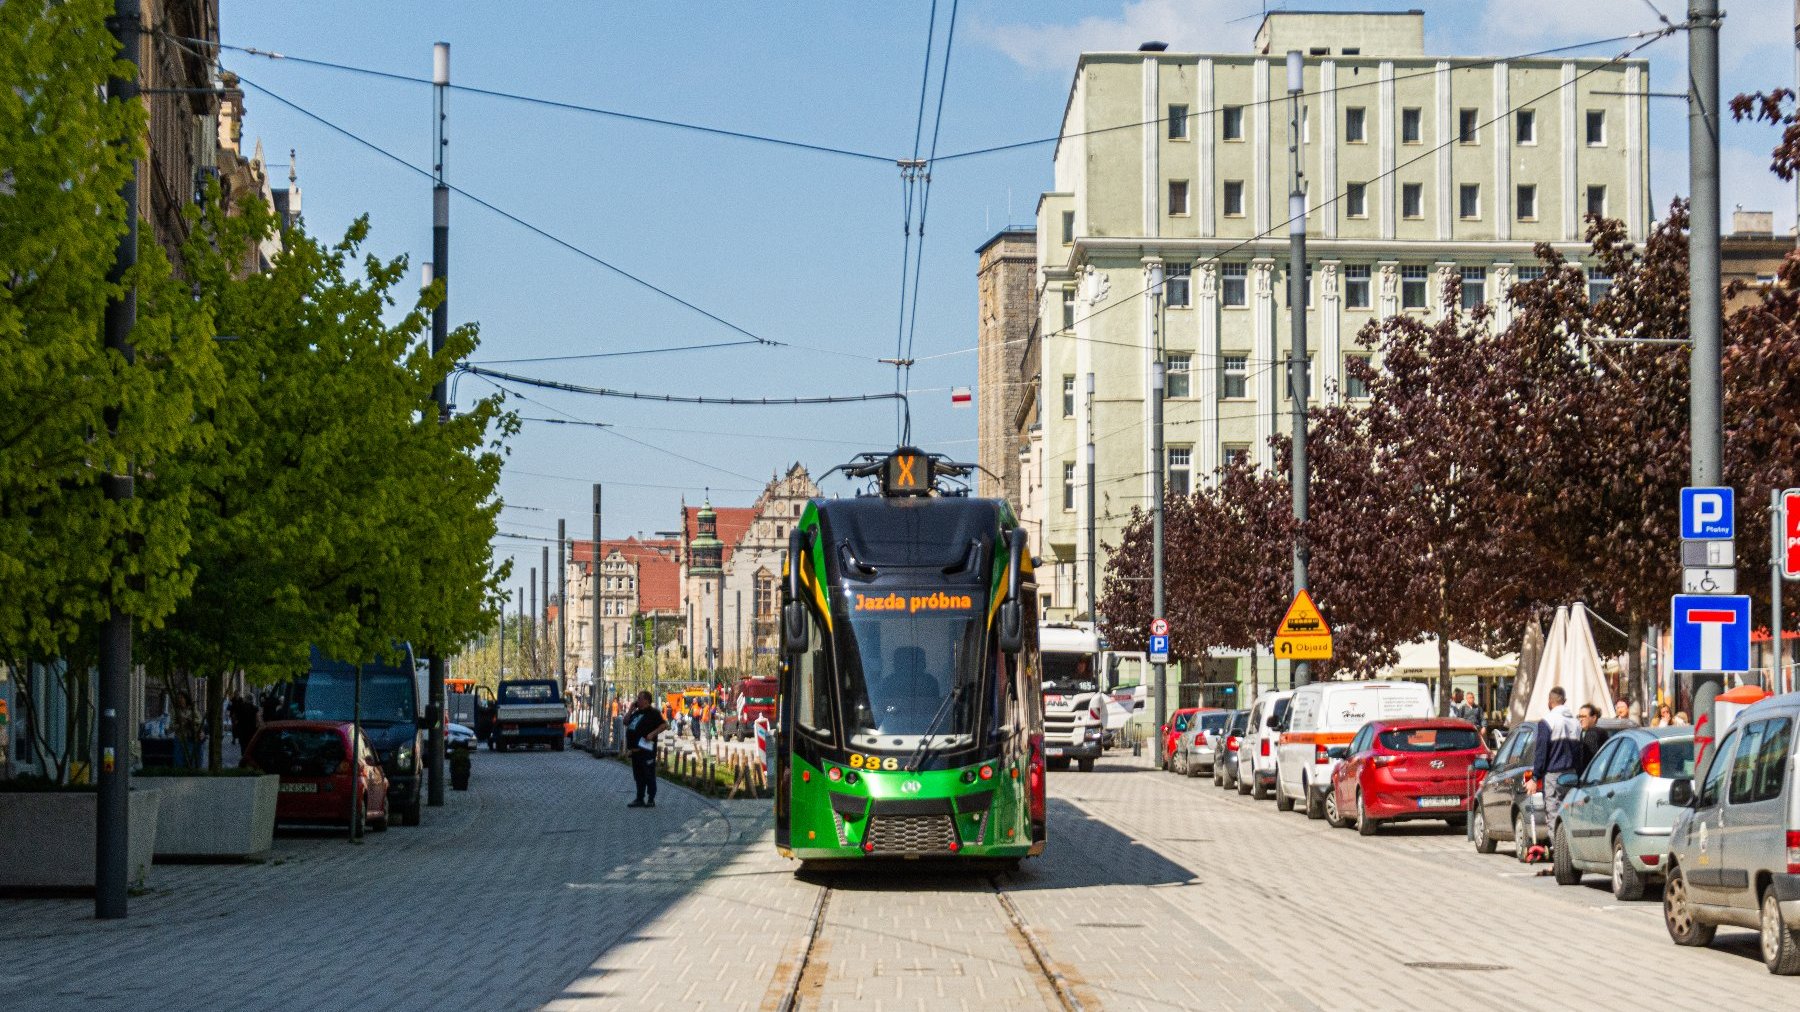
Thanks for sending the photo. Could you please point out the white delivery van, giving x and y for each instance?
(1323, 714)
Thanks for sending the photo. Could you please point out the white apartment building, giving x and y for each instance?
(1417, 168)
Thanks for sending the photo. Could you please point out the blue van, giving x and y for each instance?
(392, 715)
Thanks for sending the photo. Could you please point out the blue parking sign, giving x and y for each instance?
(1159, 648)
(1707, 514)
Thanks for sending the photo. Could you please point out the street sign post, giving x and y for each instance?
(1159, 627)
(1708, 514)
(1159, 650)
(1708, 581)
(1711, 633)
(1303, 634)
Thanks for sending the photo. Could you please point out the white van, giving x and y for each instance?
(1256, 747)
(1323, 714)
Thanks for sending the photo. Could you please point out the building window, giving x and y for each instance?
(1525, 126)
(1412, 125)
(1231, 123)
(1069, 396)
(1355, 125)
(1181, 461)
(1596, 201)
(1177, 374)
(1413, 286)
(1068, 301)
(1596, 128)
(1177, 290)
(1599, 284)
(1468, 126)
(1355, 387)
(1178, 122)
(1236, 381)
(1356, 286)
(1068, 228)
(1233, 284)
(1287, 374)
(1356, 200)
(1178, 197)
(1534, 272)
(1069, 485)
(1468, 203)
(1235, 454)
(1412, 200)
(1527, 202)
(1234, 198)
(1474, 286)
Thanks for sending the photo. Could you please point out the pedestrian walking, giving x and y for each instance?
(184, 724)
(1593, 736)
(1463, 707)
(1558, 752)
(243, 720)
(642, 725)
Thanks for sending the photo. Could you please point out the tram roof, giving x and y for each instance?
(924, 531)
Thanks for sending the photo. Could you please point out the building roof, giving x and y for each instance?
(658, 567)
(734, 523)
(1011, 233)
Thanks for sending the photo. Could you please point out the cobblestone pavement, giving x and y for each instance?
(496, 902)
(1157, 892)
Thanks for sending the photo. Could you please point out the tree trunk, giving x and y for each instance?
(215, 721)
(1635, 666)
(1443, 693)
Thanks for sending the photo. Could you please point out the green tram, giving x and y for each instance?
(908, 720)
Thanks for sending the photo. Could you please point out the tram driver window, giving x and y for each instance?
(812, 689)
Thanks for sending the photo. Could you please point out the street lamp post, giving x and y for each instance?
(1158, 669)
(1299, 362)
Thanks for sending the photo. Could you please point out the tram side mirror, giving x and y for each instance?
(793, 627)
(1012, 612)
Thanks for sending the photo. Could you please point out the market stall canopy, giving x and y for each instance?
(1421, 659)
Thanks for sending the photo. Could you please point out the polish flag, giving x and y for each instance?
(962, 397)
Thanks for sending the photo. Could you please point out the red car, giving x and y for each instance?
(1178, 722)
(316, 782)
(1405, 769)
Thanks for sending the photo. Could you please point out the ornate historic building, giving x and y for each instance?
(731, 572)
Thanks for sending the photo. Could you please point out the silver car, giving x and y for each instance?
(1196, 749)
(1616, 817)
(1734, 854)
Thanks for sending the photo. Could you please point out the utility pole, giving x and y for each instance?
(531, 584)
(523, 656)
(594, 587)
(1776, 536)
(1299, 362)
(1704, 435)
(500, 664)
(1158, 669)
(562, 602)
(544, 616)
(112, 836)
(440, 269)
(1092, 566)
(737, 634)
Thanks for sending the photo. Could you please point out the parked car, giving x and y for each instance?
(1178, 723)
(1734, 852)
(1197, 748)
(318, 785)
(1504, 810)
(1395, 770)
(1616, 816)
(1225, 764)
(1323, 714)
(458, 735)
(1257, 751)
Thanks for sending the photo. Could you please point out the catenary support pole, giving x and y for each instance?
(1777, 683)
(1158, 669)
(531, 587)
(440, 269)
(599, 647)
(1299, 358)
(112, 836)
(544, 616)
(562, 603)
(1705, 463)
(1093, 593)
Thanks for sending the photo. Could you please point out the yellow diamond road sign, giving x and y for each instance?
(1303, 634)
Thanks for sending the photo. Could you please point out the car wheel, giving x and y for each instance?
(1218, 773)
(379, 825)
(1627, 882)
(1522, 838)
(1193, 768)
(1780, 944)
(1332, 815)
(1678, 916)
(1315, 802)
(1246, 786)
(557, 745)
(1283, 803)
(409, 815)
(1561, 861)
(1087, 765)
(1484, 844)
(1365, 826)
(1257, 790)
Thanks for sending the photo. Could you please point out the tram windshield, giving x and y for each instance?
(910, 651)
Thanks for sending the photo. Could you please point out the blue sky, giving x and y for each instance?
(793, 246)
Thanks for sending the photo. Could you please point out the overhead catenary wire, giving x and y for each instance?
(912, 308)
(577, 388)
(552, 103)
(613, 354)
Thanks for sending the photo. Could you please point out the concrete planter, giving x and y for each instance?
(47, 839)
(215, 817)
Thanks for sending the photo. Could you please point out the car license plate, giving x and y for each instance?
(1053, 751)
(299, 788)
(1439, 802)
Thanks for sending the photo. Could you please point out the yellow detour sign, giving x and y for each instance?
(1303, 634)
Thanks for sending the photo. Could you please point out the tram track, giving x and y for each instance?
(806, 980)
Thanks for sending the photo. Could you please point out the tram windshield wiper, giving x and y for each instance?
(944, 708)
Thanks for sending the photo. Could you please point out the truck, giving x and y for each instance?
(530, 711)
(755, 698)
(1075, 707)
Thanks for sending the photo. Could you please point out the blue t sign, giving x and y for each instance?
(1707, 514)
